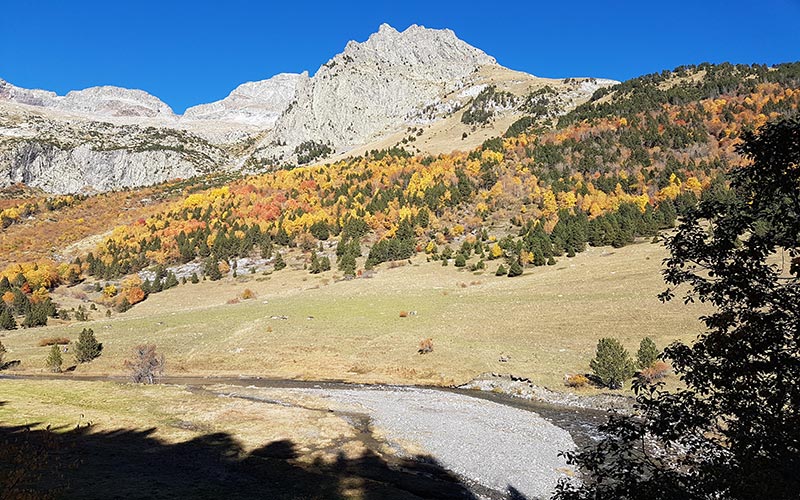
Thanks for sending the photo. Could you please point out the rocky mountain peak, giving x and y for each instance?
(19, 95)
(416, 47)
(371, 87)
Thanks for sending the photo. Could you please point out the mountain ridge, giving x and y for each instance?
(108, 137)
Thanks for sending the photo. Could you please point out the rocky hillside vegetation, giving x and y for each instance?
(622, 166)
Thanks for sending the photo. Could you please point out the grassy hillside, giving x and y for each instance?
(551, 202)
(547, 322)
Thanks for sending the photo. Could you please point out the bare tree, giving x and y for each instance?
(147, 365)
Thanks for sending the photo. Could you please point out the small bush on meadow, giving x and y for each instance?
(425, 346)
(576, 381)
(657, 371)
(48, 341)
(146, 365)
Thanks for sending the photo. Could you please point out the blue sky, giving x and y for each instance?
(188, 53)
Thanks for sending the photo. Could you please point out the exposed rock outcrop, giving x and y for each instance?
(253, 103)
(105, 101)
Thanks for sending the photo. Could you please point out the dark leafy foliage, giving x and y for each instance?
(733, 432)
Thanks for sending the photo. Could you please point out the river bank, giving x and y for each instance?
(495, 443)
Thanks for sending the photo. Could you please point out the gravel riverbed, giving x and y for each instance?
(498, 447)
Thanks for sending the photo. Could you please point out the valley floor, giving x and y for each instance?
(350, 443)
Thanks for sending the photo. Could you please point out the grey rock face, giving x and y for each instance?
(106, 101)
(80, 168)
(253, 103)
(372, 86)
(63, 155)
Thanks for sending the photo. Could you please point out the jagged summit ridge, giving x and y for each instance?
(371, 95)
(372, 86)
(417, 47)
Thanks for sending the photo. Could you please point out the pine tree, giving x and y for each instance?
(171, 281)
(647, 353)
(54, 359)
(460, 261)
(36, 316)
(123, 305)
(7, 321)
(87, 348)
(515, 269)
(347, 264)
(81, 314)
(279, 262)
(501, 270)
(195, 279)
(21, 304)
(612, 363)
(316, 267)
(211, 269)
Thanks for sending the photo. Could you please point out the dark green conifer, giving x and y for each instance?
(7, 321)
(54, 359)
(87, 348)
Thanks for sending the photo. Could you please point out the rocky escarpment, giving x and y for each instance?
(83, 168)
(71, 155)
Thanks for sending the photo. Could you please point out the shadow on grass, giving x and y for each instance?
(124, 463)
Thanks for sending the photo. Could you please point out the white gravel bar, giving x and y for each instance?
(494, 445)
